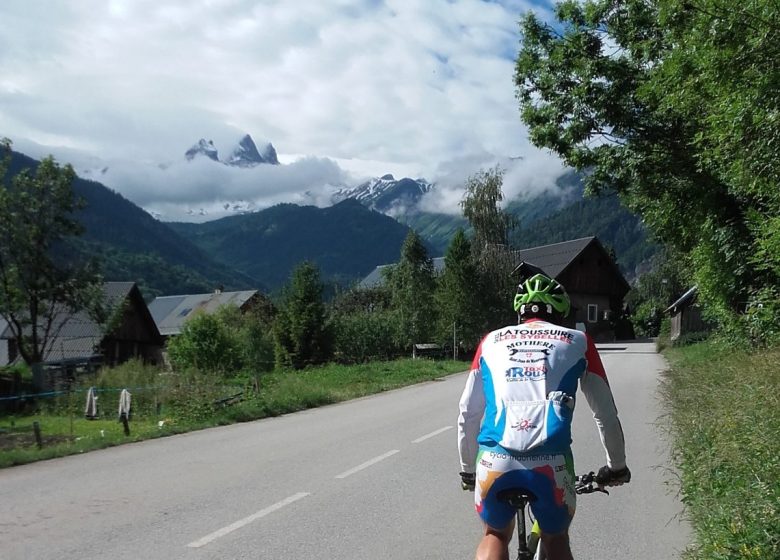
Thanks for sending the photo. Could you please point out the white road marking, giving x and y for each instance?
(247, 520)
(373, 461)
(436, 433)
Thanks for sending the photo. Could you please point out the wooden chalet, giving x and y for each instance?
(80, 343)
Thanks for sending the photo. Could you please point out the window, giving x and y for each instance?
(593, 313)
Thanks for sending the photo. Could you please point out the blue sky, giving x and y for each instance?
(342, 88)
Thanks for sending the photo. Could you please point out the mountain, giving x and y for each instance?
(203, 148)
(346, 241)
(386, 194)
(133, 246)
(605, 217)
(245, 154)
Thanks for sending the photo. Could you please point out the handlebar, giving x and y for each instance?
(587, 484)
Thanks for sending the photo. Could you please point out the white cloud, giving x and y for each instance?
(405, 84)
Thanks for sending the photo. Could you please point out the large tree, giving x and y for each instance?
(301, 331)
(492, 226)
(38, 287)
(457, 295)
(412, 287)
(673, 104)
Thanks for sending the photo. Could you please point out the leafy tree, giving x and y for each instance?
(301, 332)
(673, 104)
(209, 342)
(492, 228)
(482, 208)
(412, 286)
(37, 211)
(457, 298)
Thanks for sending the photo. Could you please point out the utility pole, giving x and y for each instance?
(454, 345)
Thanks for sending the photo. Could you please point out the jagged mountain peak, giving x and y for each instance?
(246, 154)
(203, 147)
(386, 194)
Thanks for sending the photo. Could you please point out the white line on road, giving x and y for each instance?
(247, 520)
(375, 460)
(436, 433)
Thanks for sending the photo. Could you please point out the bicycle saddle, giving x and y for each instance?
(516, 497)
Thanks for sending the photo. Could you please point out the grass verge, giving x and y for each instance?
(281, 392)
(725, 410)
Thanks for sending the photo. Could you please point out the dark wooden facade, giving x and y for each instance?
(597, 290)
(135, 334)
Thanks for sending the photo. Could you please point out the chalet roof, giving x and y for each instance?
(553, 259)
(170, 312)
(77, 335)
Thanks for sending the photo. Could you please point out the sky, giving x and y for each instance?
(343, 89)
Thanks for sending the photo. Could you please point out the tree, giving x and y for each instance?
(301, 332)
(37, 289)
(412, 285)
(209, 342)
(456, 297)
(672, 104)
(491, 253)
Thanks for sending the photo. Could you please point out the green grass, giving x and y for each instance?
(67, 432)
(725, 410)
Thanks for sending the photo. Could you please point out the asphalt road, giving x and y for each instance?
(371, 478)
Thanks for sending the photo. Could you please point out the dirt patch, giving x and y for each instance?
(10, 440)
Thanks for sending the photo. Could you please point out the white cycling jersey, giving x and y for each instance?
(521, 391)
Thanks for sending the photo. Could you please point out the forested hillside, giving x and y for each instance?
(133, 246)
(346, 241)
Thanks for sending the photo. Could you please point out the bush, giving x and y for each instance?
(208, 342)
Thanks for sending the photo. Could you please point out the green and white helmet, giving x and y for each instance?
(536, 287)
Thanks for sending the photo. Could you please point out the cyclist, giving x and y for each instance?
(514, 428)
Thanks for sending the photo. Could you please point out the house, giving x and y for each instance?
(130, 332)
(686, 315)
(79, 342)
(587, 271)
(170, 312)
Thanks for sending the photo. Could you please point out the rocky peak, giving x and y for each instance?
(203, 147)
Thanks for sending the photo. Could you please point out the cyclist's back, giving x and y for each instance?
(514, 429)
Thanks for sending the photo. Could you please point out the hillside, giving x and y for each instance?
(346, 241)
(604, 217)
(133, 246)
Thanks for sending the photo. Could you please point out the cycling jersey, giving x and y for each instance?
(521, 392)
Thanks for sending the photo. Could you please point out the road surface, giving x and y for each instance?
(371, 478)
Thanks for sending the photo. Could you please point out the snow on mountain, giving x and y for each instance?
(245, 154)
(386, 194)
(203, 147)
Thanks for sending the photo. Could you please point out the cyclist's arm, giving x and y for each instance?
(599, 396)
(472, 408)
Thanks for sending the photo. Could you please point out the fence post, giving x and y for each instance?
(125, 425)
(37, 431)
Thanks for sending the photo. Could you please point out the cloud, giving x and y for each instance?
(405, 84)
(526, 177)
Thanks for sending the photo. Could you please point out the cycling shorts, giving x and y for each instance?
(549, 477)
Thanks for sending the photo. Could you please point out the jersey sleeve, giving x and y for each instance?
(597, 392)
(472, 408)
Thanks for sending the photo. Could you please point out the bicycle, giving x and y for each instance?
(530, 547)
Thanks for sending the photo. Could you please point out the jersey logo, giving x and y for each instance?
(526, 355)
(524, 425)
(528, 373)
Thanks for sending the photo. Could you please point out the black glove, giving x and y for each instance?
(468, 481)
(608, 477)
